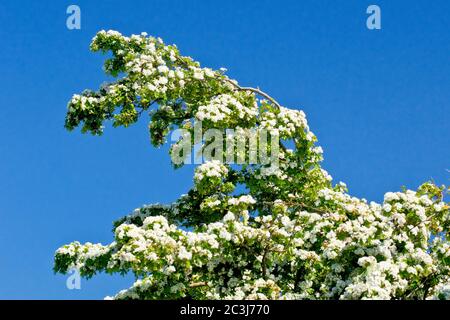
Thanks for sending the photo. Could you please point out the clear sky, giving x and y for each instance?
(379, 102)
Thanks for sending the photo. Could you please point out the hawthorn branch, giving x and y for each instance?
(198, 284)
(423, 285)
(255, 90)
(261, 93)
(263, 262)
(302, 206)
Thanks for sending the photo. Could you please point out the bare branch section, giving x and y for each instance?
(198, 284)
(255, 90)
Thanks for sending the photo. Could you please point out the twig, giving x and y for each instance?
(255, 90)
(198, 284)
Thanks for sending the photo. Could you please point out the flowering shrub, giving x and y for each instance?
(292, 234)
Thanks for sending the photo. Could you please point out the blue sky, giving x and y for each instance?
(377, 100)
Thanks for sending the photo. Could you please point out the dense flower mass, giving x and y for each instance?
(227, 109)
(251, 231)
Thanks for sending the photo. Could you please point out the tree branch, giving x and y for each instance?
(255, 90)
(198, 284)
(263, 261)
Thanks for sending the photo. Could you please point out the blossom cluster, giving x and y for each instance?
(226, 109)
